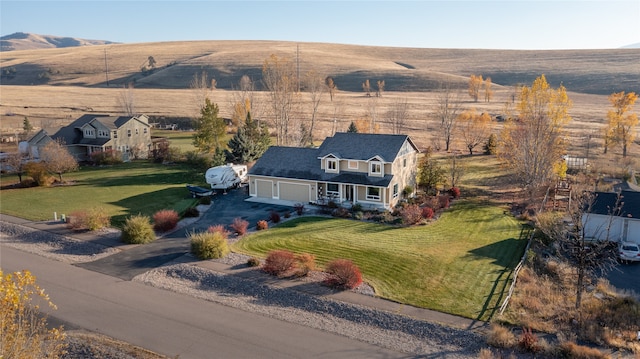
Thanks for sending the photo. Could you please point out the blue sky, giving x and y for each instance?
(507, 24)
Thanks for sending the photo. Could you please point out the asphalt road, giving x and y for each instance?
(173, 324)
(626, 276)
(224, 209)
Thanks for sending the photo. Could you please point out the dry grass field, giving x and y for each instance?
(74, 82)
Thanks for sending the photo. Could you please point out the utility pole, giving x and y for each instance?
(298, 64)
(106, 66)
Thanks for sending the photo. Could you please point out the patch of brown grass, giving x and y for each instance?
(501, 337)
(573, 350)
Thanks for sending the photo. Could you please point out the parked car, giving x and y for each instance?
(629, 252)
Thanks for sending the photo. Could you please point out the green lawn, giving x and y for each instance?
(179, 139)
(460, 264)
(121, 190)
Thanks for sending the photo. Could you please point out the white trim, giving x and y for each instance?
(376, 163)
(371, 197)
(335, 162)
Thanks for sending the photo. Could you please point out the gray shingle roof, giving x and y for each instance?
(363, 146)
(70, 134)
(304, 163)
(605, 202)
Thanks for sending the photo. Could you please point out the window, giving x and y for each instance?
(375, 168)
(404, 162)
(332, 165)
(395, 190)
(144, 130)
(136, 131)
(373, 193)
(128, 133)
(332, 188)
(89, 132)
(353, 165)
(115, 134)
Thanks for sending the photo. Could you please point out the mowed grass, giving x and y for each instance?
(120, 190)
(460, 264)
(178, 139)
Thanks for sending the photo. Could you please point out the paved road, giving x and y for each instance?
(224, 209)
(176, 325)
(626, 276)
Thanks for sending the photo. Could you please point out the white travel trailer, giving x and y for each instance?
(226, 176)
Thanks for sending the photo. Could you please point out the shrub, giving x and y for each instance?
(261, 225)
(165, 220)
(427, 212)
(528, 341)
(287, 214)
(38, 171)
(332, 204)
(455, 192)
(411, 214)
(279, 262)
(305, 263)
(356, 208)
(206, 245)
(443, 201)
(239, 226)
(206, 200)
(343, 273)
(274, 216)
(253, 262)
(218, 228)
(358, 215)
(500, 336)
(299, 207)
(191, 212)
(198, 161)
(91, 220)
(108, 157)
(573, 350)
(341, 213)
(406, 191)
(138, 230)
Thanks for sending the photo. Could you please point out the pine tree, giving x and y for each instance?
(352, 128)
(249, 143)
(210, 128)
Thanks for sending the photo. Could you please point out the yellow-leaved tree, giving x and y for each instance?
(23, 329)
(621, 124)
(475, 83)
(474, 128)
(533, 142)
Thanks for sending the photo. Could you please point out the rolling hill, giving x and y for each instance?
(403, 69)
(25, 41)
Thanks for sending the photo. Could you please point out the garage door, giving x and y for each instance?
(294, 192)
(264, 189)
(633, 232)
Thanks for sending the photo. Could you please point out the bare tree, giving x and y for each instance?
(447, 108)
(331, 87)
(57, 158)
(591, 258)
(372, 115)
(455, 169)
(398, 116)
(366, 87)
(474, 128)
(126, 100)
(199, 86)
(15, 164)
(279, 78)
(379, 88)
(314, 85)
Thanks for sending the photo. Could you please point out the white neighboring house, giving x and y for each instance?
(606, 223)
(226, 176)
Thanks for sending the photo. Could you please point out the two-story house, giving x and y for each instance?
(129, 135)
(348, 168)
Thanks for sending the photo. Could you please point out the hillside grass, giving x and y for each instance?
(460, 264)
(120, 190)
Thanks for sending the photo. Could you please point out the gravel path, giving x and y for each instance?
(377, 327)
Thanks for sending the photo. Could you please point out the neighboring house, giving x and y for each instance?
(613, 220)
(129, 135)
(348, 168)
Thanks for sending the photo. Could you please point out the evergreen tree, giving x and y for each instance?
(210, 128)
(430, 173)
(352, 128)
(249, 143)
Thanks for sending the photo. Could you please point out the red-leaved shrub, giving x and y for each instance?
(274, 216)
(239, 226)
(299, 207)
(443, 201)
(165, 220)
(427, 212)
(528, 341)
(279, 262)
(343, 273)
(411, 214)
(455, 192)
(261, 225)
(218, 228)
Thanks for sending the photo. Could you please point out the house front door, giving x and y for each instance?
(348, 191)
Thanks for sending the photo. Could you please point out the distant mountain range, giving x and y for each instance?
(25, 41)
(632, 46)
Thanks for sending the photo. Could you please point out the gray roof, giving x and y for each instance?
(304, 163)
(72, 135)
(363, 146)
(605, 202)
